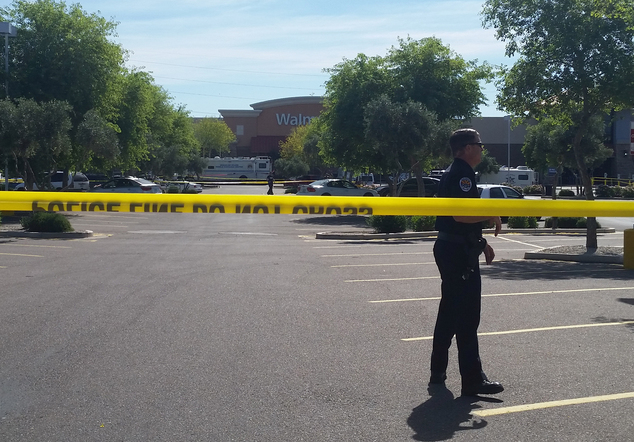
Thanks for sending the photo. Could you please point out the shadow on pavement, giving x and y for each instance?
(442, 416)
(554, 270)
(339, 220)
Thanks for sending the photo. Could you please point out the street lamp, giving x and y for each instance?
(508, 161)
(8, 30)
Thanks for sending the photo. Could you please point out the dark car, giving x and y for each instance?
(410, 187)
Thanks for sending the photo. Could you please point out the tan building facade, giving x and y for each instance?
(260, 130)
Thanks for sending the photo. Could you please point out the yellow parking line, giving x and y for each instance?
(20, 254)
(528, 330)
(547, 292)
(551, 404)
(393, 279)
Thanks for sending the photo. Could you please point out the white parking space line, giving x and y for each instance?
(393, 279)
(35, 245)
(376, 242)
(102, 225)
(552, 404)
(86, 215)
(518, 242)
(384, 264)
(493, 295)
(21, 254)
(530, 330)
(376, 254)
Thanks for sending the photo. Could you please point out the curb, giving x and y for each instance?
(433, 233)
(46, 235)
(585, 258)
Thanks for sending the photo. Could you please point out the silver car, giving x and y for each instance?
(128, 184)
(335, 187)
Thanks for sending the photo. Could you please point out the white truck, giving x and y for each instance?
(237, 168)
(518, 176)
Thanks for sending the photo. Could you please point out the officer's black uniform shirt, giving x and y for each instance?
(458, 181)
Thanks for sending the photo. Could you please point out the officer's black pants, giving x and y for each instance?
(458, 313)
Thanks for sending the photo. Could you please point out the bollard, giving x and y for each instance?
(628, 248)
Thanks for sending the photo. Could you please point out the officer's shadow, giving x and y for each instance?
(442, 416)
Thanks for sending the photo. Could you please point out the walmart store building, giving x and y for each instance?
(259, 131)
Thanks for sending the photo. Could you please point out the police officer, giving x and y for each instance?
(456, 252)
(269, 180)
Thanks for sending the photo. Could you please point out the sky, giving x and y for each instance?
(228, 54)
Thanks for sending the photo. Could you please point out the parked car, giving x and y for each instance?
(80, 182)
(410, 187)
(128, 184)
(181, 185)
(97, 178)
(57, 181)
(499, 191)
(335, 187)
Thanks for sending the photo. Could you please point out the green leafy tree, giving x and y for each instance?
(32, 135)
(214, 137)
(173, 144)
(487, 165)
(291, 167)
(424, 72)
(303, 144)
(63, 53)
(576, 59)
(402, 136)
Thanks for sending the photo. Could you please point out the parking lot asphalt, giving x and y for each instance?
(192, 327)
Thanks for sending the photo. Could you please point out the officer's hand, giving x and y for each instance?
(489, 254)
(498, 224)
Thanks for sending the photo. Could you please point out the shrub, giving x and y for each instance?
(569, 222)
(421, 223)
(535, 189)
(46, 222)
(603, 191)
(628, 192)
(291, 189)
(190, 191)
(522, 222)
(617, 191)
(388, 223)
(172, 189)
(566, 192)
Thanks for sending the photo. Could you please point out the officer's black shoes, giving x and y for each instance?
(484, 387)
(437, 378)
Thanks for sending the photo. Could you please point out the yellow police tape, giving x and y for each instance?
(305, 205)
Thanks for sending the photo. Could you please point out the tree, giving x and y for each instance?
(549, 144)
(214, 136)
(576, 59)
(402, 136)
(424, 72)
(32, 135)
(487, 164)
(303, 145)
(63, 53)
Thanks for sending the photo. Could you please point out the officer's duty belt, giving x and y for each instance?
(450, 237)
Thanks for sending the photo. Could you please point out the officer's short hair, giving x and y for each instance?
(460, 138)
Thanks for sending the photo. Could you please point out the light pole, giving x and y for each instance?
(508, 161)
(8, 30)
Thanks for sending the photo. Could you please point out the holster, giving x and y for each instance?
(474, 247)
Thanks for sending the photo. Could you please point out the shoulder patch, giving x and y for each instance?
(466, 184)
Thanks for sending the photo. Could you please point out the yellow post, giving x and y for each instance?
(628, 248)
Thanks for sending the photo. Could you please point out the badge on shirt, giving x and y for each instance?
(466, 184)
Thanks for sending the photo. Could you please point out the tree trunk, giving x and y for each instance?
(591, 235)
